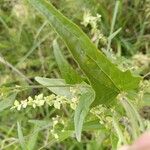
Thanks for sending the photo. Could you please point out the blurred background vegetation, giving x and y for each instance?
(26, 51)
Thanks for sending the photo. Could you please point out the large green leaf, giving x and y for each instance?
(67, 72)
(106, 79)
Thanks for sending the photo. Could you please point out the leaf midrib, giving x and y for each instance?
(80, 42)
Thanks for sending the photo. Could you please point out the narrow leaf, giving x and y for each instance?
(33, 138)
(81, 111)
(20, 136)
(134, 118)
(67, 72)
(121, 137)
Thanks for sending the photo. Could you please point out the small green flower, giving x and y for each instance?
(49, 99)
(57, 104)
(73, 90)
(39, 102)
(56, 136)
(17, 105)
(73, 106)
(30, 101)
(39, 97)
(74, 99)
(24, 103)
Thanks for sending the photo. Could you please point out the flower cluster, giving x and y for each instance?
(141, 62)
(57, 121)
(40, 100)
(75, 94)
(97, 35)
(101, 112)
(20, 11)
(89, 19)
(145, 86)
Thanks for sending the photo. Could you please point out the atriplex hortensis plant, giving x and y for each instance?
(104, 80)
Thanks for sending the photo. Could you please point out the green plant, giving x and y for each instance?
(102, 75)
(87, 98)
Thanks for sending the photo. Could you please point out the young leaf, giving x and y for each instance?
(57, 86)
(67, 72)
(81, 111)
(106, 79)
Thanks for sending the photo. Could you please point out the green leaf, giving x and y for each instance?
(121, 137)
(67, 72)
(87, 126)
(114, 141)
(57, 86)
(40, 123)
(93, 125)
(7, 102)
(64, 135)
(106, 79)
(81, 111)
(33, 138)
(20, 136)
(86, 99)
(134, 118)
